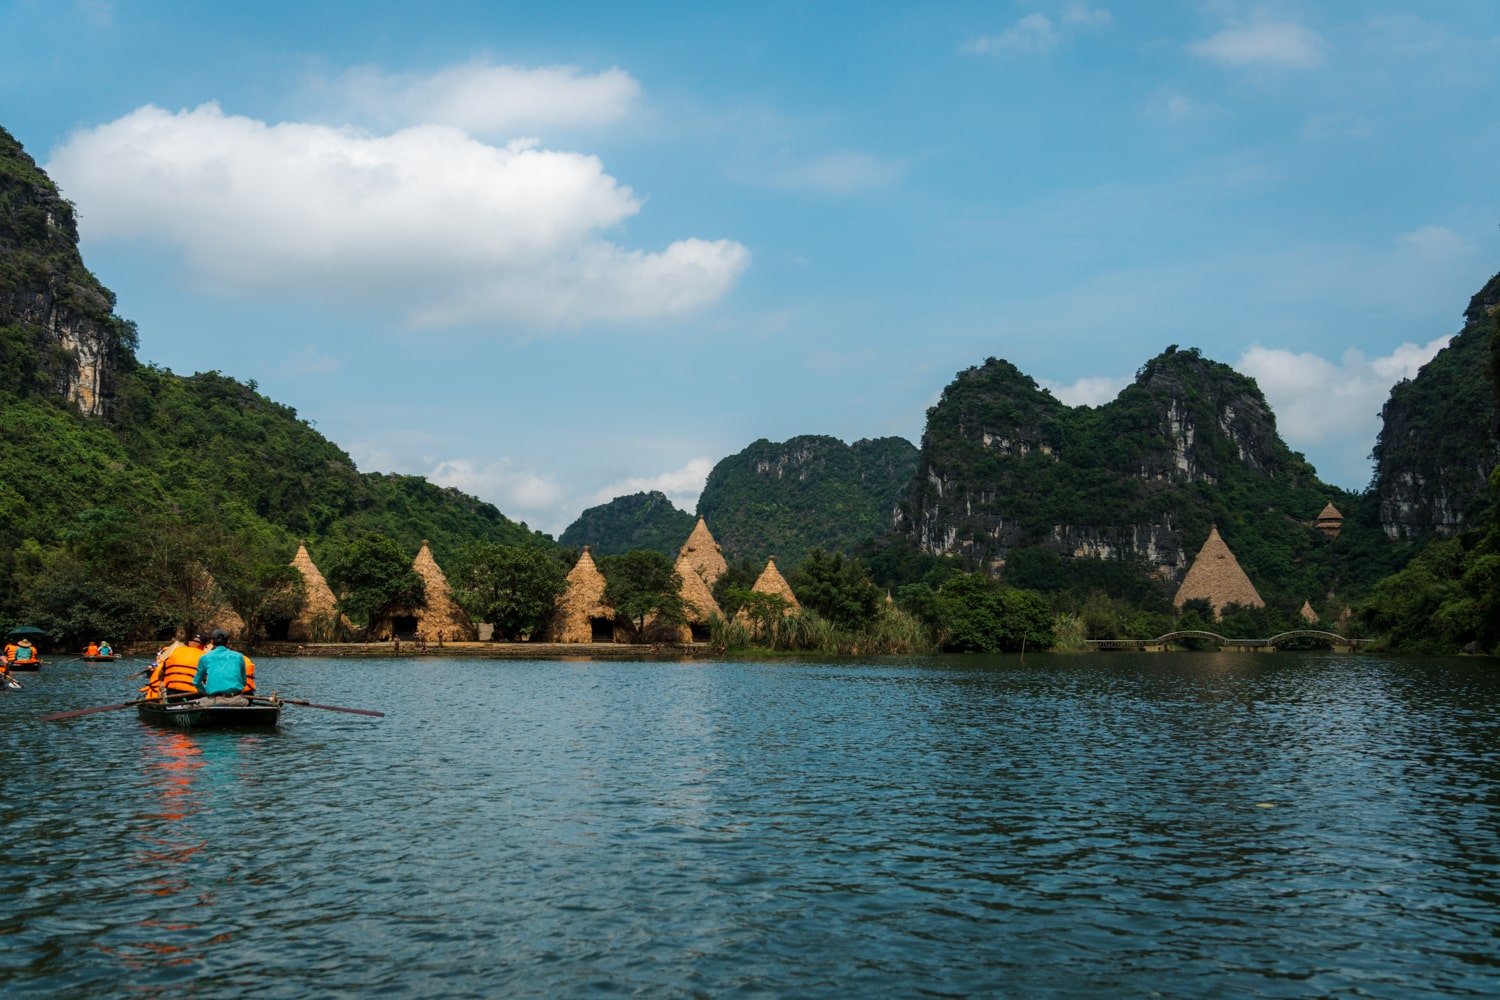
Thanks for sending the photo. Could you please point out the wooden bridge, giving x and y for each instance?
(1330, 640)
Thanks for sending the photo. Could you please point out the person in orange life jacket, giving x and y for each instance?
(173, 676)
(92, 649)
(222, 671)
(153, 679)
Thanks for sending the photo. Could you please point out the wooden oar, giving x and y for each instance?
(333, 708)
(12, 683)
(90, 711)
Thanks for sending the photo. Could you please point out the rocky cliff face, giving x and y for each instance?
(1437, 445)
(1005, 466)
(52, 310)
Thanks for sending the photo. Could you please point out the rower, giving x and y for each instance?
(222, 671)
(173, 676)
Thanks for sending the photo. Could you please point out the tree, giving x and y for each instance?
(372, 577)
(838, 589)
(644, 586)
(976, 614)
(513, 587)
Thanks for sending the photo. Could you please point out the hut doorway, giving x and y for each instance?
(699, 631)
(279, 630)
(404, 626)
(601, 630)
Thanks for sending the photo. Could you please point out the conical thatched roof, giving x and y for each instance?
(581, 602)
(1330, 521)
(1216, 577)
(442, 614)
(696, 594)
(216, 612)
(703, 554)
(1308, 614)
(771, 581)
(320, 617)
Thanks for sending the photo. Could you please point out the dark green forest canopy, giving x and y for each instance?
(811, 492)
(639, 521)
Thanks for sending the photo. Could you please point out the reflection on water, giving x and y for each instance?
(1280, 825)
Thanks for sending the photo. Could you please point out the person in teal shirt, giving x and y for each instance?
(222, 671)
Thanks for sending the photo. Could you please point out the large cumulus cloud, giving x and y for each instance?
(429, 221)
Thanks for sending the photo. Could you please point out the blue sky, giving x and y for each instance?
(553, 253)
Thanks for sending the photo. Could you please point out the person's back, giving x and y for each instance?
(222, 671)
(92, 650)
(179, 668)
(24, 652)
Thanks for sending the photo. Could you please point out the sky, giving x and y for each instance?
(555, 253)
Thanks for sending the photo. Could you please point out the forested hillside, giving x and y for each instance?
(114, 467)
(1057, 497)
(810, 492)
(639, 521)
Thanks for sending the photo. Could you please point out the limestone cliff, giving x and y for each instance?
(1437, 446)
(1006, 469)
(57, 323)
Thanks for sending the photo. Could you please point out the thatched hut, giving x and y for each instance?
(1308, 614)
(210, 609)
(703, 555)
(1216, 577)
(320, 620)
(772, 582)
(699, 602)
(1330, 522)
(441, 617)
(582, 615)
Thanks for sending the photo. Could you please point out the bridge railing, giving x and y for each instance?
(1276, 641)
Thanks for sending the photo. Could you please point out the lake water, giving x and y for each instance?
(1186, 825)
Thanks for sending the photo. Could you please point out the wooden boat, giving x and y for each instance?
(96, 658)
(213, 713)
(32, 665)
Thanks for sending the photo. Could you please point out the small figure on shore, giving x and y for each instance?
(440, 638)
(396, 644)
(421, 640)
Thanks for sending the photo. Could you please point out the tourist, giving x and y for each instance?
(105, 649)
(22, 652)
(173, 677)
(222, 671)
(92, 649)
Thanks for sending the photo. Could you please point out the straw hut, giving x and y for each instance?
(703, 555)
(1216, 577)
(1308, 614)
(441, 617)
(1330, 521)
(582, 615)
(212, 608)
(771, 581)
(699, 602)
(319, 620)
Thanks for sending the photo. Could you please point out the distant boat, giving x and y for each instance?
(99, 658)
(213, 713)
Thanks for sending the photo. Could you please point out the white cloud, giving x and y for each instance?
(309, 361)
(1322, 402)
(1088, 391)
(1281, 44)
(484, 99)
(1039, 33)
(518, 493)
(844, 172)
(682, 486)
(425, 221)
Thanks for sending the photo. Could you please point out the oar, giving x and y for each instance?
(12, 683)
(55, 716)
(333, 708)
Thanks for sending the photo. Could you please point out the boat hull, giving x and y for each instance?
(100, 659)
(260, 713)
(26, 666)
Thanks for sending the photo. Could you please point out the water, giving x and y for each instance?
(1181, 825)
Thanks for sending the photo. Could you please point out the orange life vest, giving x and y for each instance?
(93, 649)
(177, 670)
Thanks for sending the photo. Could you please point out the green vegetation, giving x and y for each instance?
(372, 577)
(639, 521)
(807, 493)
(645, 591)
(514, 587)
